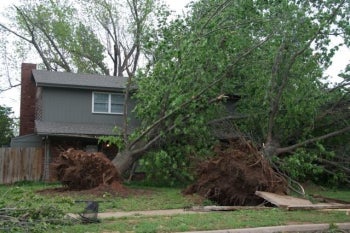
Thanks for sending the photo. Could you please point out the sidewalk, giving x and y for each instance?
(146, 213)
(141, 213)
(342, 227)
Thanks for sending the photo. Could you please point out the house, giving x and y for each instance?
(60, 110)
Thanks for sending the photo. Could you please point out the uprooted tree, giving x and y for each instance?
(271, 53)
(77, 169)
(260, 51)
(233, 175)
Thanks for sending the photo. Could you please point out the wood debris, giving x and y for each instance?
(293, 203)
(282, 200)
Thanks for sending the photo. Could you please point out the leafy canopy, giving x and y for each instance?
(271, 53)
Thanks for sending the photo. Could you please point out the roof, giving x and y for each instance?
(29, 140)
(73, 129)
(81, 81)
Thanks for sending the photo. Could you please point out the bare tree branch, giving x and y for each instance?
(9, 87)
(15, 33)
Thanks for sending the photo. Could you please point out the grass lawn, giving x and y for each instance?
(25, 195)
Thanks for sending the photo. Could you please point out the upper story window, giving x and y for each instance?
(103, 102)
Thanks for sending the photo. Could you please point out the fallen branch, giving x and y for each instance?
(30, 219)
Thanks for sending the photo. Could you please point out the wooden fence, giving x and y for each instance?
(20, 164)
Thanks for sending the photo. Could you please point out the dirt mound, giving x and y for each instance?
(234, 174)
(79, 170)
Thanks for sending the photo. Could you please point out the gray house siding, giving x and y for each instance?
(74, 106)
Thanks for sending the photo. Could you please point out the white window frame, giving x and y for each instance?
(109, 103)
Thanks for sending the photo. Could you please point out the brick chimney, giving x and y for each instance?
(28, 93)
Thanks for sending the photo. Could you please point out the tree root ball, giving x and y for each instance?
(80, 170)
(233, 175)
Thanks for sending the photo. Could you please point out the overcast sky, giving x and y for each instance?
(11, 98)
(177, 5)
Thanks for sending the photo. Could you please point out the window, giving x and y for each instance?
(107, 103)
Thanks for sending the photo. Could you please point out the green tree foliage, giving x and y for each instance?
(181, 89)
(193, 68)
(6, 126)
(272, 54)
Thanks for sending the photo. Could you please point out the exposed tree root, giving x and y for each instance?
(80, 170)
(234, 174)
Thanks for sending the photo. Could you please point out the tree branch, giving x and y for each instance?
(217, 10)
(344, 83)
(293, 147)
(10, 87)
(231, 117)
(33, 41)
(15, 33)
(335, 164)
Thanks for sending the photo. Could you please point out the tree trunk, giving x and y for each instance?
(123, 161)
(270, 148)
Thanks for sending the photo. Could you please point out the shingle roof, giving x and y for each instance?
(72, 80)
(73, 129)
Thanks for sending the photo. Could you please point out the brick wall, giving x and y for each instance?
(28, 93)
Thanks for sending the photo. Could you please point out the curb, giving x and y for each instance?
(287, 228)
